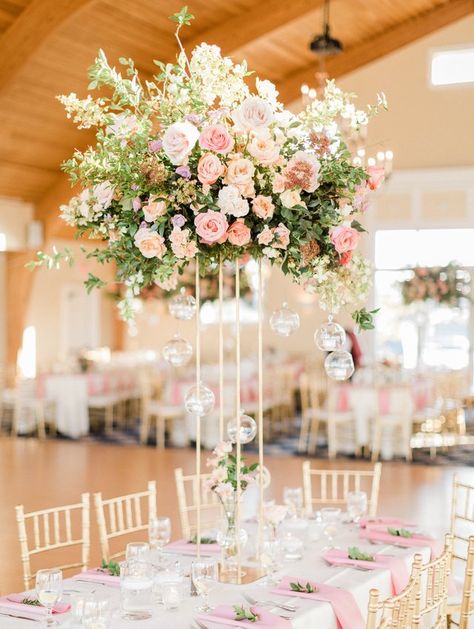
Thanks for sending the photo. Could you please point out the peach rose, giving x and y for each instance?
(303, 171)
(239, 171)
(263, 207)
(344, 238)
(376, 177)
(153, 209)
(290, 198)
(238, 233)
(209, 169)
(252, 113)
(265, 236)
(211, 226)
(282, 236)
(264, 150)
(279, 183)
(179, 140)
(150, 244)
(216, 138)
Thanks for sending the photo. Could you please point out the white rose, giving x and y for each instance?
(253, 113)
(290, 198)
(179, 140)
(230, 202)
(104, 193)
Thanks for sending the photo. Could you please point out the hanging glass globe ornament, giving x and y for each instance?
(284, 321)
(339, 365)
(248, 429)
(177, 352)
(182, 307)
(330, 336)
(199, 400)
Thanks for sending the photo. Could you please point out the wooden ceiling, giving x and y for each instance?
(47, 45)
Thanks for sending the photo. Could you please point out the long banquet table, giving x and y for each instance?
(309, 613)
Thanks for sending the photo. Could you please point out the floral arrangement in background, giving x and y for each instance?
(223, 478)
(444, 285)
(194, 163)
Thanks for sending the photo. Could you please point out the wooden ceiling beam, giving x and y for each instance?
(249, 26)
(30, 31)
(378, 46)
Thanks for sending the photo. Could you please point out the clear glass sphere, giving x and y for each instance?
(182, 307)
(177, 352)
(284, 321)
(248, 429)
(330, 336)
(339, 365)
(199, 400)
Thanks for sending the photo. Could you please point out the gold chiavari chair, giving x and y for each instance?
(396, 612)
(432, 597)
(153, 406)
(122, 515)
(52, 530)
(460, 606)
(330, 487)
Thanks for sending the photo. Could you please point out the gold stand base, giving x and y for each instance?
(247, 574)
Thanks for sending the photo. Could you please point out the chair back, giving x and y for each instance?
(330, 487)
(396, 612)
(123, 515)
(188, 492)
(52, 530)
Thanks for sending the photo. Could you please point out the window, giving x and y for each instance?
(452, 67)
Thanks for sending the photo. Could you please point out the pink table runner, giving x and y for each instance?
(224, 615)
(98, 576)
(379, 533)
(343, 603)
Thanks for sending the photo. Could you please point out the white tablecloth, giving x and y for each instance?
(69, 394)
(309, 613)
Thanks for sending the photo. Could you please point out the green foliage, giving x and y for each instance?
(31, 601)
(204, 540)
(306, 589)
(245, 614)
(183, 18)
(355, 553)
(400, 532)
(111, 567)
(51, 261)
(365, 319)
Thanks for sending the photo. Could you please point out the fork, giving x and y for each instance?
(288, 607)
(20, 617)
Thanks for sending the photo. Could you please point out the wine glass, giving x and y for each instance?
(49, 588)
(137, 551)
(270, 558)
(293, 498)
(356, 505)
(159, 533)
(331, 517)
(204, 575)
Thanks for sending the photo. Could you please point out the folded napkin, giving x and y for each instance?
(366, 522)
(183, 547)
(14, 602)
(225, 615)
(345, 608)
(382, 535)
(397, 567)
(98, 575)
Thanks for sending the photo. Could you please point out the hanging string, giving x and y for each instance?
(198, 418)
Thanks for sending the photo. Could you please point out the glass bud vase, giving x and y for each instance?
(229, 539)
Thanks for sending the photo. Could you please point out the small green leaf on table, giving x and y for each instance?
(112, 567)
(306, 589)
(400, 532)
(244, 614)
(358, 555)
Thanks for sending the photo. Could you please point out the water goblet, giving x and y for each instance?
(204, 575)
(49, 588)
(136, 589)
(331, 517)
(137, 551)
(159, 533)
(356, 505)
(270, 558)
(293, 499)
(172, 594)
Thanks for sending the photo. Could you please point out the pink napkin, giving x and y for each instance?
(397, 567)
(343, 603)
(224, 615)
(13, 602)
(183, 547)
(380, 534)
(365, 522)
(98, 575)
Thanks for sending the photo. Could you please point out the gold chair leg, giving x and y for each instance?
(144, 425)
(160, 432)
(304, 430)
(109, 418)
(313, 436)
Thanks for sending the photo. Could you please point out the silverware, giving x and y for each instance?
(92, 582)
(20, 617)
(288, 607)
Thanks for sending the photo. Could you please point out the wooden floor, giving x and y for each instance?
(42, 474)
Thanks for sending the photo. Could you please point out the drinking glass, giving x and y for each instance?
(293, 498)
(270, 557)
(97, 613)
(136, 587)
(137, 551)
(165, 570)
(331, 517)
(49, 588)
(172, 594)
(204, 575)
(159, 532)
(356, 505)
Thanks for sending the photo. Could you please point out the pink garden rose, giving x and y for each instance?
(181, 246)
(216, 138)
(240, 171)
(265, 236)
(264, 150)
(238, 233)
(150, 243)
(179, 140)
(262, 206)
(153, 209)
(376, 177)
(211, 226)
(253, 113)
(344, 238)
(302, 171)
(209, 169)
(282, 236)
(279, 183)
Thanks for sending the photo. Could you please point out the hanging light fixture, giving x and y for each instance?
(324, 45)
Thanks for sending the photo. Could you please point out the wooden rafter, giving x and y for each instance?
(378, 46)
(30, 31)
